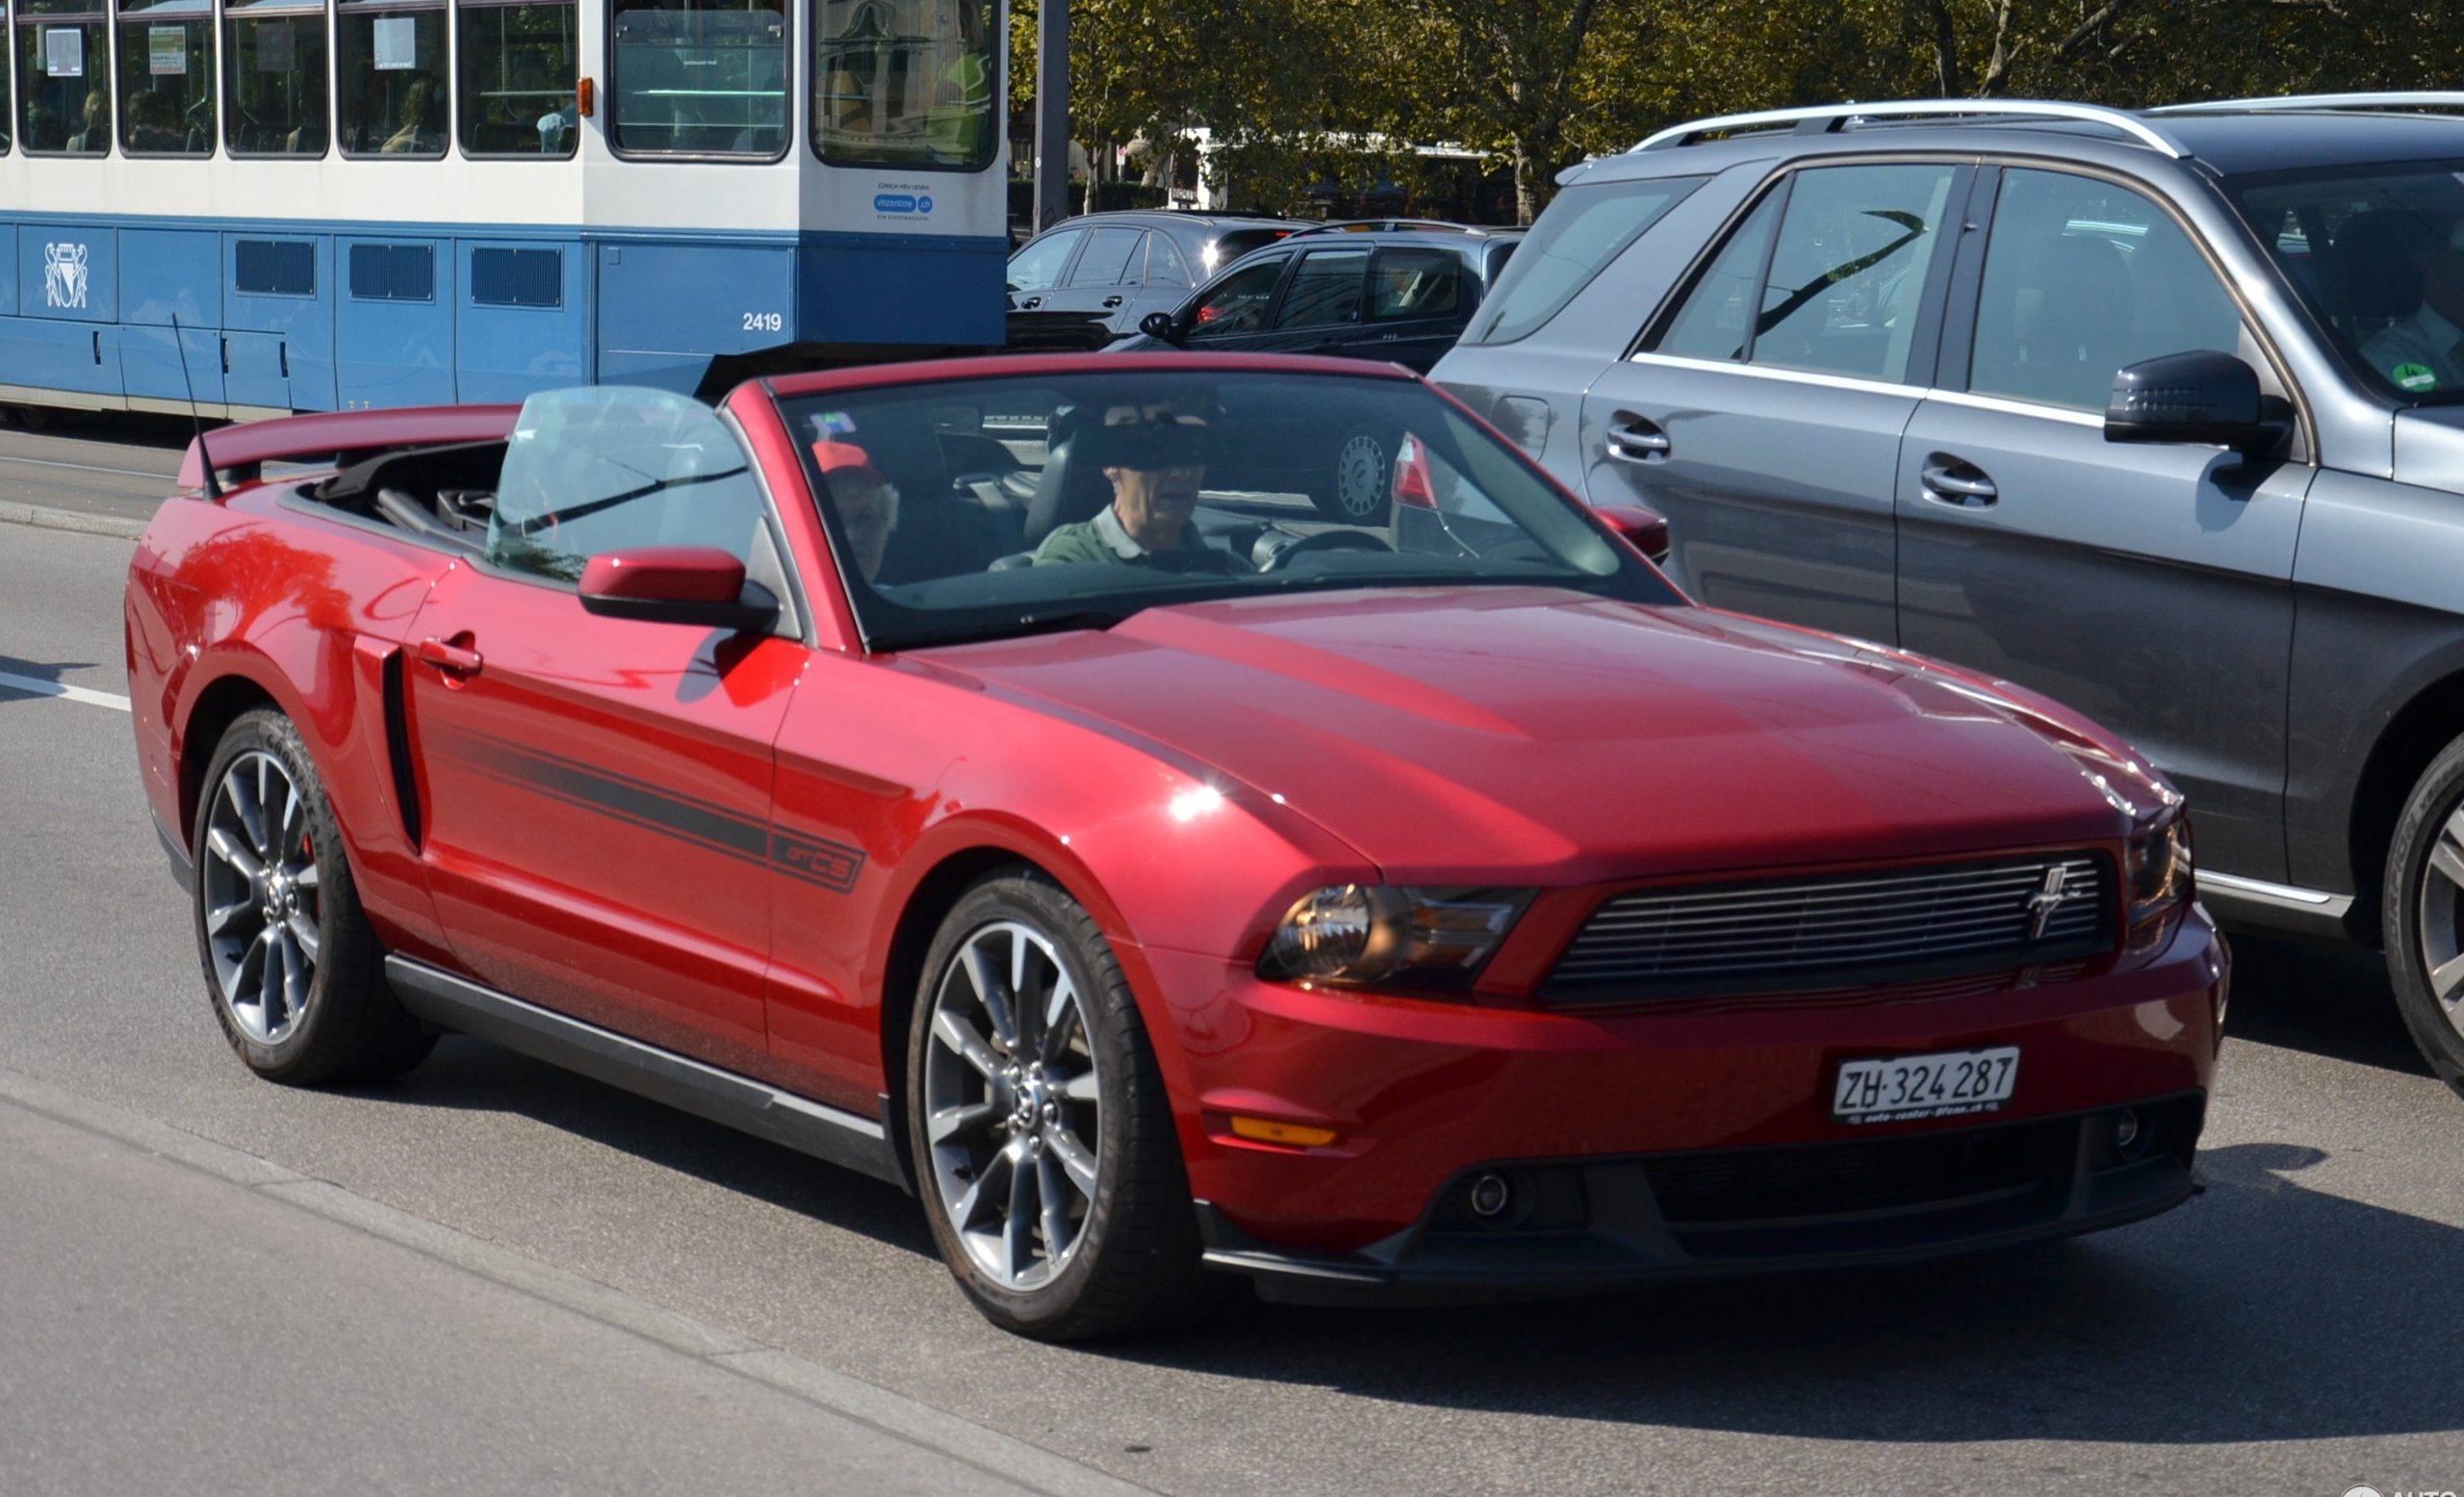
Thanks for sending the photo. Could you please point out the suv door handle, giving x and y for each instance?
(1031, 304)
(1955, 480)
(457, 660)
(1112, 301)
(1636, 439)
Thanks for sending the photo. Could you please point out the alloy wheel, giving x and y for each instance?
(2442, 920)
(1012, 1105)
(261, 897)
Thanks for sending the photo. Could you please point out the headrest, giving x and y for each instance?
(1147, 439)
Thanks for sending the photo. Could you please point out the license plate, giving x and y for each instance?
(1953, 1084)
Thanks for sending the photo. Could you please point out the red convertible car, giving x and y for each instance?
(926, 768)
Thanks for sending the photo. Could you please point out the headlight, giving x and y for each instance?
(1356, 934)
(2157, 873)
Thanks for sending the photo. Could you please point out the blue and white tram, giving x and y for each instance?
(329, 205)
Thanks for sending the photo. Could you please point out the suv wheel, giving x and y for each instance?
(1355, 490)
(2423, 920)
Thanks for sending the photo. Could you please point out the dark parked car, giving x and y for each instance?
(2158, 413)
(1083, 283)
(1396, 291)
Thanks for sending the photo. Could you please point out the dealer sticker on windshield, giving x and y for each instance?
(1953, 1084)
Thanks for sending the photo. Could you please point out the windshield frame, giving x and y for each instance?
(2234, 189)
(885, 627)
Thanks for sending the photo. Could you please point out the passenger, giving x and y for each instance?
(1155, 458)
(2426, 351)
(419, 133)
(867, 505)
(153, 123)
(96, 137)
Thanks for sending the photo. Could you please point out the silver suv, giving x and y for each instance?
(2158, 413)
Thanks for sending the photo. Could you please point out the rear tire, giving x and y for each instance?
(1042, 1132)
(2424, 914)
(292, 969)
(1356, 487)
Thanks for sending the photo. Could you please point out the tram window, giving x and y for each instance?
(64, 73)
(517, 79)
(700, 77)
(273, 76)
(390, 62)
(909, 83)
(166, 78)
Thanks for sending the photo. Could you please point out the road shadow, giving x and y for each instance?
(471, 1074)
(133, 429)
(2261, 1311)
(2327, 999)
(52, 672)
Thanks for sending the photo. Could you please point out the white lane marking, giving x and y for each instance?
(50, 462)
(62, 688)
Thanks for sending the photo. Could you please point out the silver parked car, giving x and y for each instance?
(2158, 413)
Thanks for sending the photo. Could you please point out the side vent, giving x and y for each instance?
(276, 266)
(392, 272)
(517, 277)
(398, 746)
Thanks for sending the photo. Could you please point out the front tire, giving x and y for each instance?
(2424, 914)
(293, 969)
(1041, 1133)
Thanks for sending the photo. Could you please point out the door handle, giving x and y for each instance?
(1031, 304)
(1954, 480)
(1636, 439)
(1112, 301)
(459, 661)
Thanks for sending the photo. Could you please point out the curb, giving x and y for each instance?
(1004, 1458)
(44, 517)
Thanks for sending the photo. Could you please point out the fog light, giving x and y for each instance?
(2128, 1135)
(1490, 1197)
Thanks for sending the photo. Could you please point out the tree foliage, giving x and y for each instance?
(1539, 83)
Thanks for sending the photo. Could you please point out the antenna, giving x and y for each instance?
(197, 419)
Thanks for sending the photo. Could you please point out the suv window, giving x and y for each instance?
(1410, 283)
(1165, 266)
(1106, 262)
(1238, 305)
(1848, 275)
(1037, 266)
(1713, 322)
(1585, 229)
(2082, 277)
(1325, 291)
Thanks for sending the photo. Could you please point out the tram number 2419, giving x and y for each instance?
(764, 321)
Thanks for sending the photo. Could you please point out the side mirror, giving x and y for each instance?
(1159, 326)
(1644, 529)
(677, 585)
(2201, 396)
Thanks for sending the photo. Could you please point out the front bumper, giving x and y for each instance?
(1590, 1226)
(1423, 1096)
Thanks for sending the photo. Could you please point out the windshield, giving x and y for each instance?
(977, 509)
(2378, 253)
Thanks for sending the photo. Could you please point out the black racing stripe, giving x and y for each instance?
(637, 803)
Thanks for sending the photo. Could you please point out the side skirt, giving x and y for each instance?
(740, 1101)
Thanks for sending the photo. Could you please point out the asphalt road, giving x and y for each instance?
(2293, 1330)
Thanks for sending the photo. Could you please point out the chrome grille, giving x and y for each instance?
(1782, 934)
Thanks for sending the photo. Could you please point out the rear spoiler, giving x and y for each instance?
(338, 438)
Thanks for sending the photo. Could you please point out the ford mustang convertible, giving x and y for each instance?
(930, 770)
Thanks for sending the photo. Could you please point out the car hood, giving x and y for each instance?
(1542, 735)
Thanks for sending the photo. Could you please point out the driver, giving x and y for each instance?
(1155, 458)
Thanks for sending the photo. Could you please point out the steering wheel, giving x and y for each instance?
(1281, 547)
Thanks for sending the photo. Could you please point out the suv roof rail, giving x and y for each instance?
(1389, 226)
(1824, 118)
(2319, 101)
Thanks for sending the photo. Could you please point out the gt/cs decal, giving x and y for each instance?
(638, 803)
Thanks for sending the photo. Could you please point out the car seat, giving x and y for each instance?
(2066, 324)
(941, 531)
(1070, 489)
(2370, 280)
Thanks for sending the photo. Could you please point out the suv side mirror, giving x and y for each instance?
(1644, 529)
(677, 585)
(2201, 397)
(1159, 326)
